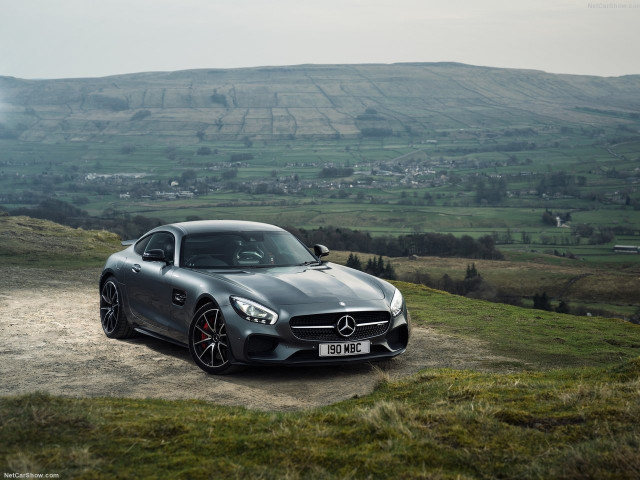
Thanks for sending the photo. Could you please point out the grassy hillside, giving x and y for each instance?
(537, 339)
(599, 286)
(566, 407)
(440, 424)
(611, 285)
(32, 242)
(562, 403)
(306, 101)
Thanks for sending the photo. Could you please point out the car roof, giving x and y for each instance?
(206, 226)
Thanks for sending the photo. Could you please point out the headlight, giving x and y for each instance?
(253, 311)
(397, 303)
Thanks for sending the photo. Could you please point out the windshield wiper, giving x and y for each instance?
(245, 267)
(309, 262)
(249, 267)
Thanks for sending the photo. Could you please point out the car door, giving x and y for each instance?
(149, 283)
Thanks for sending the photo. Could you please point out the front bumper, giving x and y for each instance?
(277, 344)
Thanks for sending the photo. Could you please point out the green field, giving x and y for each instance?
(444, 148)
(429, 204)
(558, 398)
(567, 408)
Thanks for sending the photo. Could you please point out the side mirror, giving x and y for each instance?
(320, 251)
(155, 255)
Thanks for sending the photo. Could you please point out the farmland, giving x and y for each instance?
(386, 149)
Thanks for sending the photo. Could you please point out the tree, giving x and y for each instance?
(447, 284)
(229, 174)
(354, 262)
(389, 272)
(240, 157)
(549, 219)
(189, 176)
(171, 152)
(375, 266)
(370, 267)
(380, 266)
(472, 272)
(583, 230)
(603, 235)
(563, 307)
(334, 172)
(541, 302)
(492, 192)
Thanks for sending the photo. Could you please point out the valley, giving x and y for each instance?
(546, 165)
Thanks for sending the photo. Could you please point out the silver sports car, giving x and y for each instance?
(245, 293)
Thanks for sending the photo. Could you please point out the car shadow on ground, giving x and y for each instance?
(160, 346)
(260, 373)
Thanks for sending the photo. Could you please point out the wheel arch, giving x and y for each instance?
(203, 300)
(105, 275)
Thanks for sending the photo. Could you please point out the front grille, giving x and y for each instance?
(323, 327)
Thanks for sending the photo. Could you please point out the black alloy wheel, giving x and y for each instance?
(114, 322)
(208, 341)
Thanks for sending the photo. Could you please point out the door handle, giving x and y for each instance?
(136, 268)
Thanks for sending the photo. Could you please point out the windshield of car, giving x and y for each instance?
(243, 249)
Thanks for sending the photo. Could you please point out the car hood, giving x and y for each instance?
(298, 285)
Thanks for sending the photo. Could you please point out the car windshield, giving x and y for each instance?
(243, 249)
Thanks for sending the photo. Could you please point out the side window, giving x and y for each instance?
(141, 245)
(162, 241)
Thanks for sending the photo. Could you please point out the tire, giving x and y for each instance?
(114, 321)
(208, 341)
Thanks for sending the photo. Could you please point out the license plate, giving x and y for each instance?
(344, 349)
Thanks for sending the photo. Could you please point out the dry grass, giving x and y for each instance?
(33, 242)
(568, 279)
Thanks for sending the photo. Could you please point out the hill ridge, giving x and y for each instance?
(302, 101)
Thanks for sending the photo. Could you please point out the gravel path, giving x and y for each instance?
(51, 340)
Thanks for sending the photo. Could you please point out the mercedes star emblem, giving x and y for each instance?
(346, 326)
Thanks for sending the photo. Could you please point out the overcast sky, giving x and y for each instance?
(90, 38)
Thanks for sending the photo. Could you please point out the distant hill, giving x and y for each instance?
(308, 101)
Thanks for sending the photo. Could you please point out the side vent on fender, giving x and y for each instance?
(178, 297)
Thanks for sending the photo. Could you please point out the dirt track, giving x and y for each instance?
(51, 340)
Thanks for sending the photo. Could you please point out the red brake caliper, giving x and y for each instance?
(204, 337)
